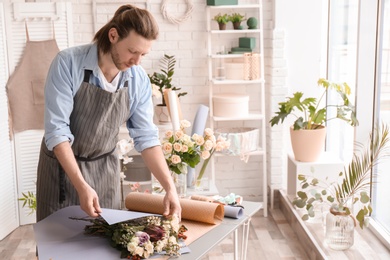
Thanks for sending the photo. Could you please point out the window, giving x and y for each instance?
(381, 191)
(359, 54)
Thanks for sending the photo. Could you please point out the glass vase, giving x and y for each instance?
(180, 181)
(339, 233)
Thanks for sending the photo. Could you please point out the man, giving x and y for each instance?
(90, 92)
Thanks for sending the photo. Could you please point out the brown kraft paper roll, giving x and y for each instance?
(199, 211)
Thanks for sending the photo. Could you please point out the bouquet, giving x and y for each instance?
(140, 238)
(181, 150)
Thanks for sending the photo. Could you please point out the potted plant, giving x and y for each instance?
(236, 19)
(350, 194)
(163, 81)
(313, 116)
(222, 20)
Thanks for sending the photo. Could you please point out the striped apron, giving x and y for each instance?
(94, 122)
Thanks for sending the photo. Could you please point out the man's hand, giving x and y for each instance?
(172, 205)
(89, 201)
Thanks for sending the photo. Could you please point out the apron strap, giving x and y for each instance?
(87, 75)
(27, 35)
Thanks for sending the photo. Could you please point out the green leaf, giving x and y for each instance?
(330, 199)
(305, 185)
(314, 182)
(305, 217)
(302, 195)
(360, 218)
(364, 198)
(299, 203)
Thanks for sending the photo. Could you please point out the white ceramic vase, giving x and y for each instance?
(162, 114)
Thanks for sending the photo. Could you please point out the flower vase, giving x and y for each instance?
(162, 114)
(180, 181)
(201, 181)
(340, 226)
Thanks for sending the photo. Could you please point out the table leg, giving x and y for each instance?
(235, 242)
(245, 236)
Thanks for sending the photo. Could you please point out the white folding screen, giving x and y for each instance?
(46, 20)
(8, 195)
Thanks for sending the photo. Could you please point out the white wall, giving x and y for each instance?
(303, 22)
(300, 42)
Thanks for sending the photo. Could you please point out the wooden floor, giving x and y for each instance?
(269, 238)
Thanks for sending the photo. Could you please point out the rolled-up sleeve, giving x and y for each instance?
(141, 127)
(58, 103)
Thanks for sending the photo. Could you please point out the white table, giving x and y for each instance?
(64, 238)
(208, 241)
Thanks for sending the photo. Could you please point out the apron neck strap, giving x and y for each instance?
(27, 36)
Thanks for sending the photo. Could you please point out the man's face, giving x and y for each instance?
(128, 51)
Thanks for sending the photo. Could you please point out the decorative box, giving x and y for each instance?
(247, 42)
(230, 105)
(222, 2)
(234, 70)
(242, 139)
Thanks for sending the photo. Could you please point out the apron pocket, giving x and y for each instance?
(38, 87)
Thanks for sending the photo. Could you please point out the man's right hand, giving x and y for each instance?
(89, 201)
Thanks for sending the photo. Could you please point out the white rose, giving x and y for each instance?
(139, 251)
(131, 247)
(167, 147)
(208, 132)
(168, 134)
(185, 124)
(205, 154)
(177, 147)
(175, 159)
(208, 145)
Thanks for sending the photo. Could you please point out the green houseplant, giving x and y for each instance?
(310, 114)
(351, 193)
(163, 80)
(222, 20)
(314, 115)
(236, 19)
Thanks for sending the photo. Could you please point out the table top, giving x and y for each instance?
(59, 237)
(208, 241)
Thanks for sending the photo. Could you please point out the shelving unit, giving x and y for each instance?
(227, 38)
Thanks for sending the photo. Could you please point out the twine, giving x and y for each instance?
(176, 20)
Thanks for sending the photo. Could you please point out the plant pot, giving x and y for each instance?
(161, 114)
(308, 145)
(222, 26)
(236, 25)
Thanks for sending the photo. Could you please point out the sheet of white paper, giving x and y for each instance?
(113, 216)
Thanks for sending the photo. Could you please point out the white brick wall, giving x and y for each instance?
(188, 42)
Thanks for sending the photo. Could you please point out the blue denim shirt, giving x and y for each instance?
(64, 79)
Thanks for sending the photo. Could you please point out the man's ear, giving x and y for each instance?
(113, 35)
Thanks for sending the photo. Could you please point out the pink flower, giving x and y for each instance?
(177, 147)
(167, 147)
(175, 159)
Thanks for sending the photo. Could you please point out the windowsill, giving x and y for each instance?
(312, 237)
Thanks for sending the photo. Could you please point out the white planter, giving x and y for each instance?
(161, 114)
(308, 145)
